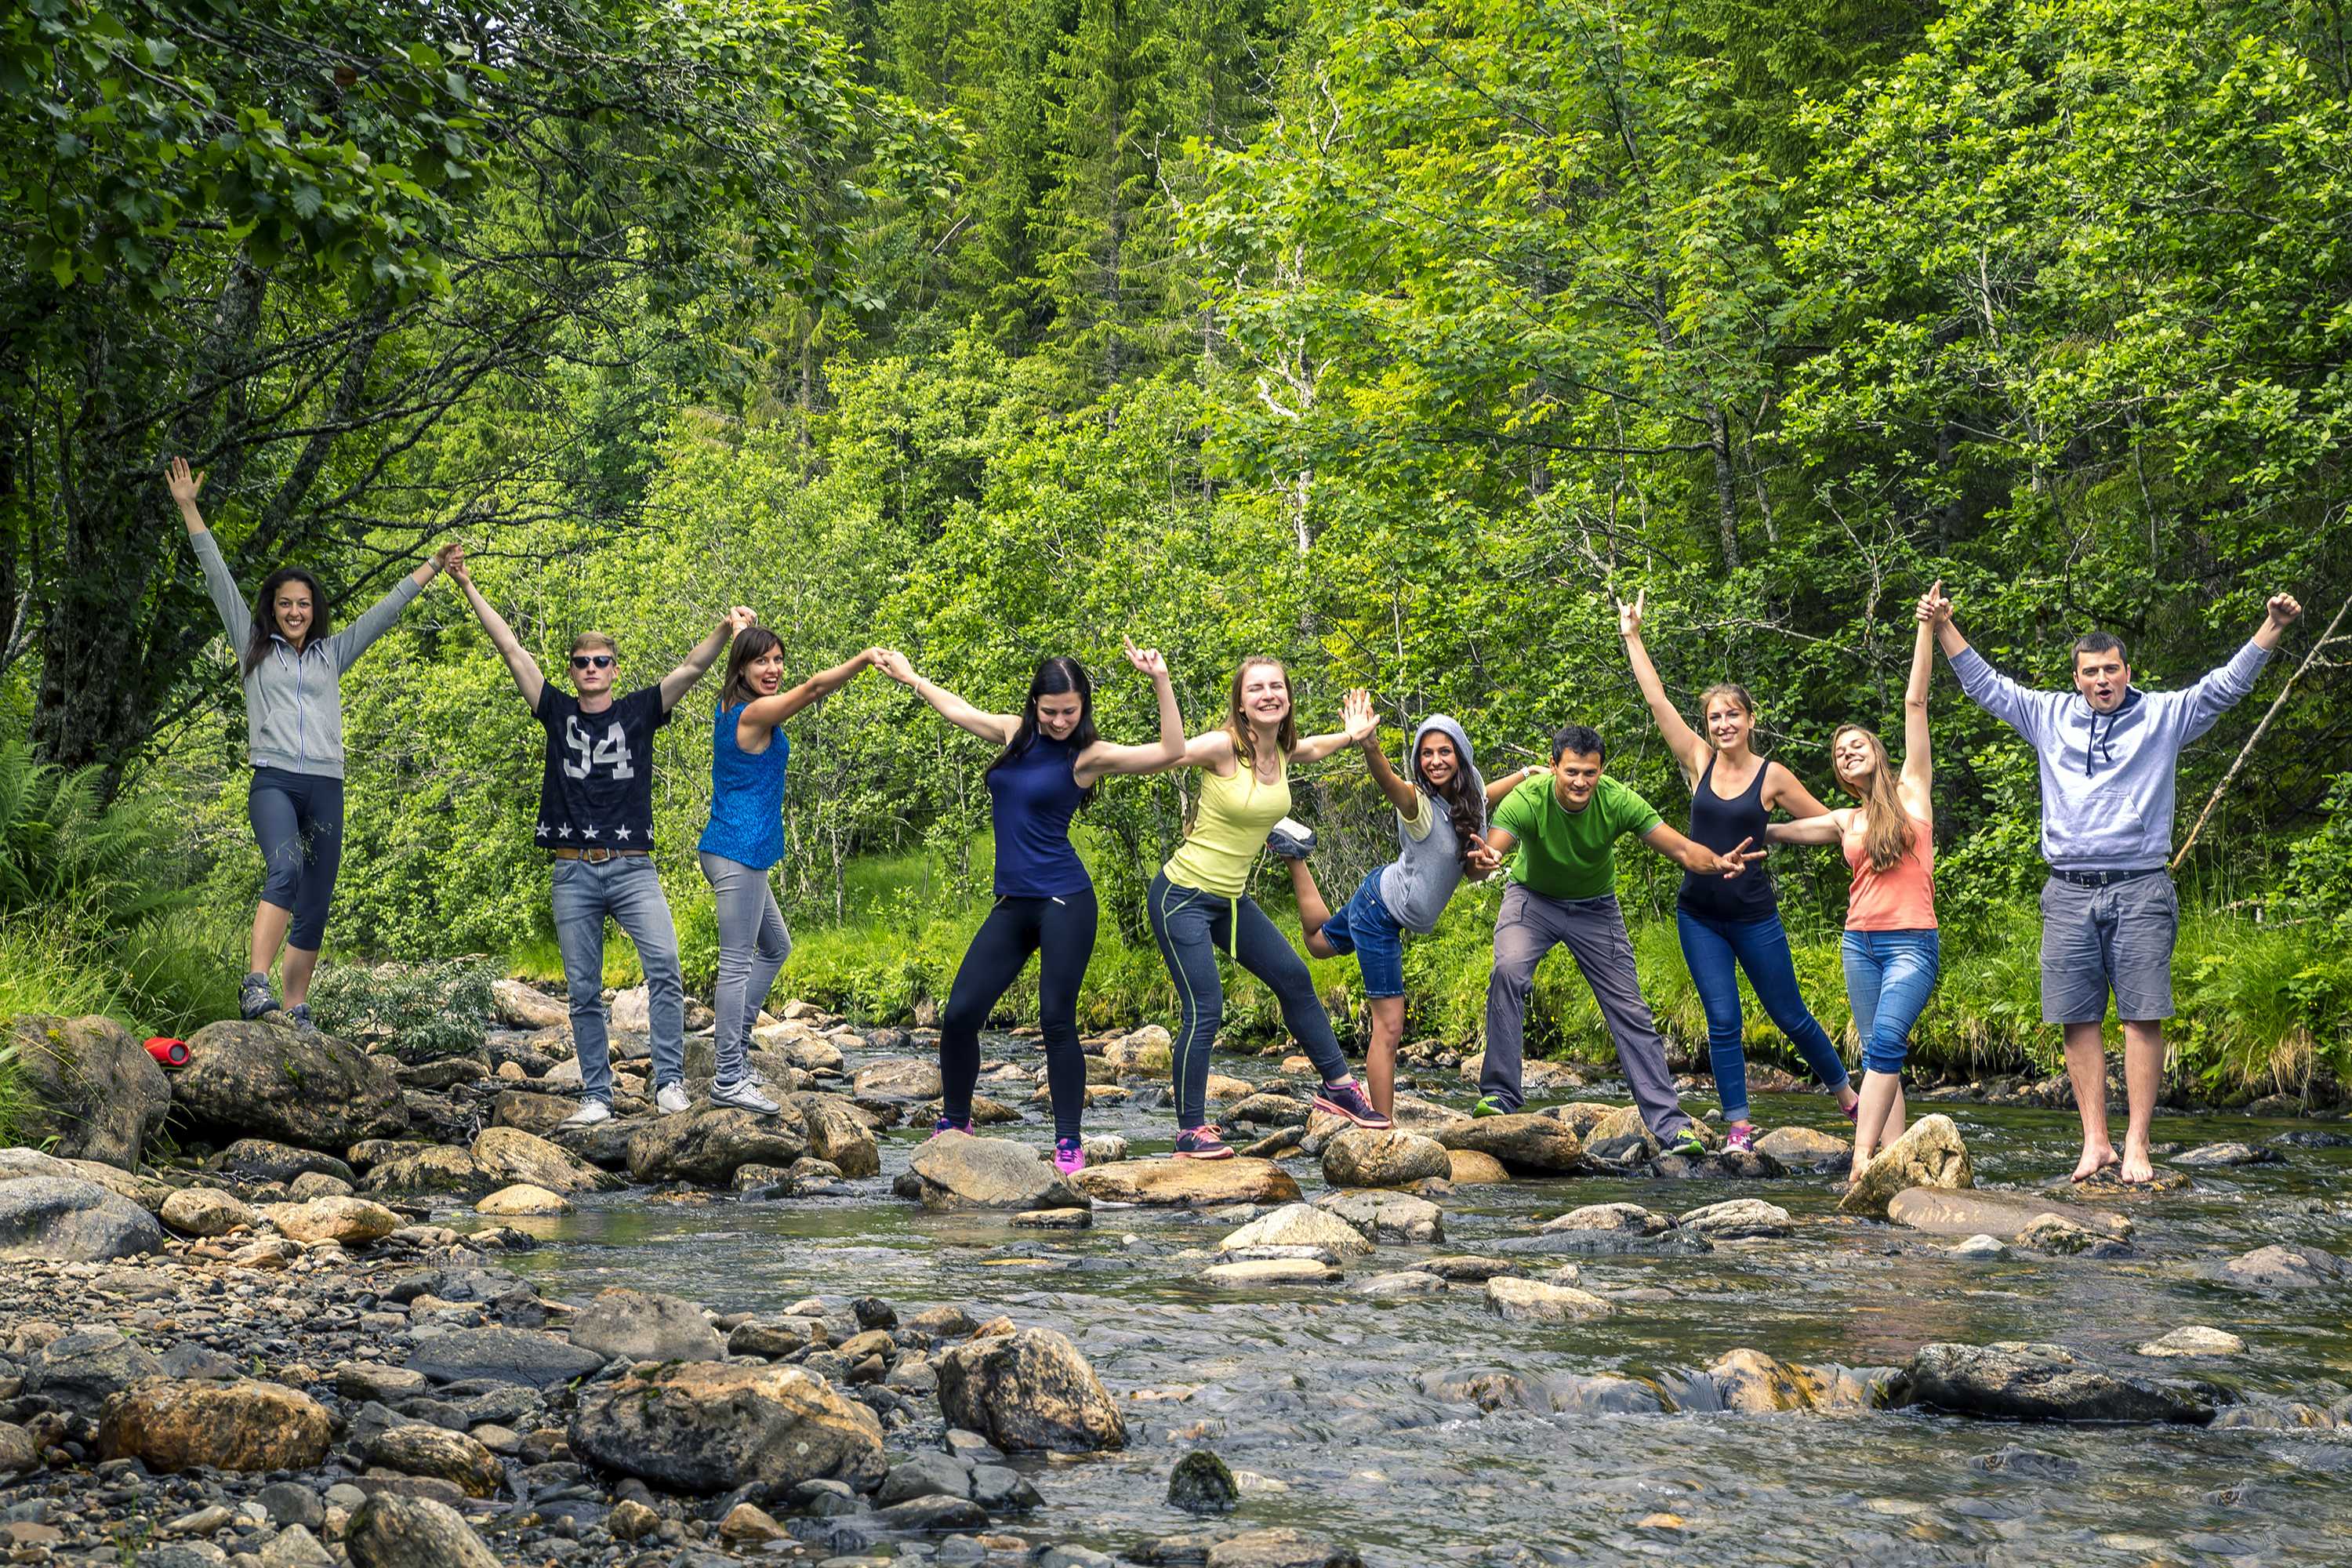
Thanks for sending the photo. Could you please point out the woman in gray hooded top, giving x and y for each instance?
(294, 731)
(1440, 816)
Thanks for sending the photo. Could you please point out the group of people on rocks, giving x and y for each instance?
(2107, 750)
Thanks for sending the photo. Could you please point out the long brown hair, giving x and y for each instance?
(264, 615)
(1286, 739)
(1888, 835)
(751, 643)
(1464, 802)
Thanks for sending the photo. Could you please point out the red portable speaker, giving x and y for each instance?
(172, 1053)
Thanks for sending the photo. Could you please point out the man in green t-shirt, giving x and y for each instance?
(1563, 888)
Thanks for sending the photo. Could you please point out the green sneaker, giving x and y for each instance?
(1486, 1107)
(1687, 1143)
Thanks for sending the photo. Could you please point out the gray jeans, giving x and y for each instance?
(626, 888)
(1531, 925)
(2118, 937)
(752, 947)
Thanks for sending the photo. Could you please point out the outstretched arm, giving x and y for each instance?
(237, 618)
(2277, 615)
(355, 639)
(1986, 687)
(997, 728)
(2223, 688)
(1498, 788)
(1918, 755)
(679, 681)
(1824, 828)
(1698, 858)
(1689, 750)
(767, 712)
(1358, 724)
(1403, 795)
(1103, 758)
(519, 664)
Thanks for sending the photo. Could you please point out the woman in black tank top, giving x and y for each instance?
(1728, 927)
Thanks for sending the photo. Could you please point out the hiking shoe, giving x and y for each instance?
(1742, 1136)
(301, 1013)
(670, 1100)
(950, 1124)
(1069, 1157)
(253, 997)
(1291, 838)
(743, 1096)
(590, 1112)
(1201, 1143)
(1490, 1106)
(1348, 1100)
(1688, 1143)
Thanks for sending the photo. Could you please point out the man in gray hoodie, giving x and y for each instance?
(2109, 753)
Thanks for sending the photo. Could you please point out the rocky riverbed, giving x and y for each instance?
(302, 1304)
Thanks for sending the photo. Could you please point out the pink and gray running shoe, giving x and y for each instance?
(1069, 1157)
(1348, 1100)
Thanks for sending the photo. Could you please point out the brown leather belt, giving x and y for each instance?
(595, 856)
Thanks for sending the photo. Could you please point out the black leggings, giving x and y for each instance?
(298, 820)
(1061, 931)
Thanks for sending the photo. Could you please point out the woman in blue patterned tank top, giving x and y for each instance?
(745, 837)
(1051, 762)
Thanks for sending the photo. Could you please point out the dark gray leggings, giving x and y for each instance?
(298, 820)
(1191, 926)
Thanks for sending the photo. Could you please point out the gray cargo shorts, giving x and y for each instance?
(2118, 937)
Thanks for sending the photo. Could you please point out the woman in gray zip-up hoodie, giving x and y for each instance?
(294, 731)
(1440, 814)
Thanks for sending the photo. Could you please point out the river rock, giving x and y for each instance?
(1189, 1184)
(522, 1199)
(1202, 1483)
(2061, 1236)
(1805, 1149)
(644, 1325)
(1029, 1390)
(275, 1081)
(429, 1168)
(1622, 1219)
(1280, 1549)
(1359, 1157)
(1313, 1268)
(2264, 1268)
(501, 1355)
(205, 1212)
(352, 1222)
(317, 1184)
(68, 1219)
(957, 1171)
(1401, 1284)
(1750, 1383)
(1471, 1168)
(1267, 1110)
(2196, 1340)
(535, 1113)
(1148, 1052)
(838, 1135)
(704, 1146)
(92, 1091)
(1387, 1215)
(1300, 1225)
(1527, 1145)
(1929, 1155)
(523, 1008)
(1520, 1300)
(81, 1370)
(255, 1160)
(240, 1425)
(512, 1155)
(2228, 1154)
(1739, 1217)
(712, 1427)
(1982, 1212)
(897, 1077)
(390, 1530)
(2017, 1381)
(418, 1449)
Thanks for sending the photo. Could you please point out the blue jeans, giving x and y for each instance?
(626, 888)
(1717, 951)
(1366, 929)
(1889, 975)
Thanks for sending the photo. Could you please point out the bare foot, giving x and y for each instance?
(2097, 1157)
(2137, 1171)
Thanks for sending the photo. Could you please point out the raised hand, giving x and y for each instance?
(894, 664)
(452, 558)
(1147, 659)
(741, 618)
(185, 486)
(1358, 718)
(2283, 608)
(1737, 859)
(1935, 609)
(1482, 859)
(1629, 616)
(447, 553)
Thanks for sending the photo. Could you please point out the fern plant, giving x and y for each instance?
(66, 849)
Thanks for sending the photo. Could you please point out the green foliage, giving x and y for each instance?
(422, 1010)
(64, 848)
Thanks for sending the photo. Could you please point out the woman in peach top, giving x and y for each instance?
(1889, 840)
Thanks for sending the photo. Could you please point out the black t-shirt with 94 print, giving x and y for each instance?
(596, 790)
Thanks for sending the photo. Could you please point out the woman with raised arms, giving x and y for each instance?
(1050, 762)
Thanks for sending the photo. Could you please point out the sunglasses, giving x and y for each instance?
(583, 660)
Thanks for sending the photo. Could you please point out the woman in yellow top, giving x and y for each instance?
(1199, 903)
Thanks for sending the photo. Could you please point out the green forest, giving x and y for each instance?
(1390, 338)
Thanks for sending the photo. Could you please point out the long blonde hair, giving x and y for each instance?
(1286, 739)
(1889, 833)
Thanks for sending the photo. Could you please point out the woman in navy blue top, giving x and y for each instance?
(1051, 760)
(746, 836)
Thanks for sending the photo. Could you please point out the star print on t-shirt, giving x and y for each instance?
(622, 834)
(598, 769)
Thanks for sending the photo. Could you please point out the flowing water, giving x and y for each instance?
(1357, 1416)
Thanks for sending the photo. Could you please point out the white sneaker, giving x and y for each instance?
(672, 1100)
(590, 1112)
(743, 1096)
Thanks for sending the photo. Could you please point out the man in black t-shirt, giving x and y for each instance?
(596, 823)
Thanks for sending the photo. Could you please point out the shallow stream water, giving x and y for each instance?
(1356, 1415)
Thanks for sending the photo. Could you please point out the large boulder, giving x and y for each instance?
(1030, 1390)
(66, 1219)
(92, 1091)
(837, 1134)
(707, 1146)
(392, 1531)
(80, 1371)
(1189, 1184)
(501, 1355)
(268, 1078)
(712, 1427)
(1359, 1157)
(1929, 1155)
(429, 1168)
(417, 1448)
(266, 1160)
(1941, 1211)
(1805, 1149)
(522, 1201)
(1299, 1224)
(957, 1171)
(2017, 1381)
(1148, 1052)
(1381, 1215)
(240, 1425)
(1528, 1145)
(644, 1325)
(538, 1114)
(1516, 1300)
(518, 1005)
(350, 1222)
(513, 1156)
(203, 1211)
(897, 1077)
